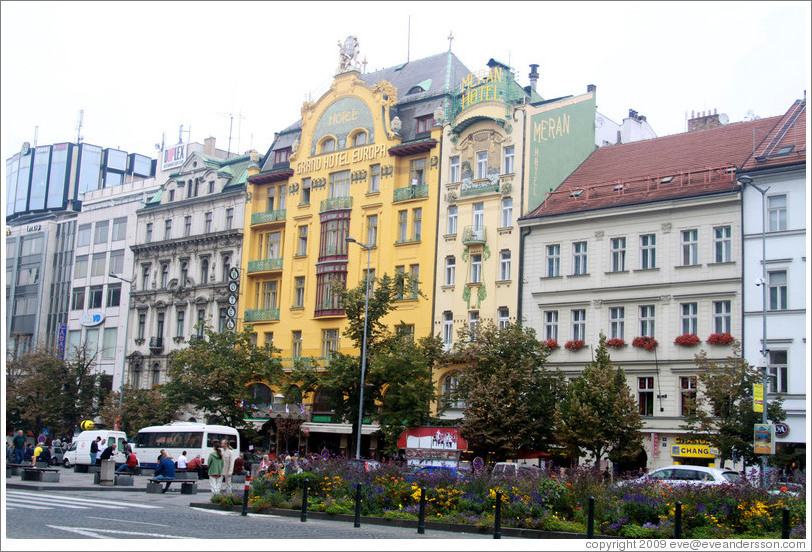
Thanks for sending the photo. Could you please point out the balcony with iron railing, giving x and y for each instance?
(265, 265)
(262, 315)
(411, 192)
(335, 203)
(474, 234)
(306, 363)
(479, 187)
(156, 345)
(277, 215)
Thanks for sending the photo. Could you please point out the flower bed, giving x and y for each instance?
(687, 340)
(645, 342)
(574, 345)
(615, 343)
(721, 339)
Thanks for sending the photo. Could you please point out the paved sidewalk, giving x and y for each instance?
(72, 481)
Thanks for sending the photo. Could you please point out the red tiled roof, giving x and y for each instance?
(699, 163)
(786, 144)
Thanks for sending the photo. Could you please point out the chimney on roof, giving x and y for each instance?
(208, 146)
(534, 75)
(703, 121)
(590, 88)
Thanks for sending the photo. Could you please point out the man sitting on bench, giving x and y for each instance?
(130, 465)
(166, 471)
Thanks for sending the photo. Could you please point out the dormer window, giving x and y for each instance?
(359, 138)
(415, 90)
(281, 155)
(576, 193)
(424, 124)
(328, 145)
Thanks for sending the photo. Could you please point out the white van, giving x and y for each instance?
(192, 437)
(79, 451)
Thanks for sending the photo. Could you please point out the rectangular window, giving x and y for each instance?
(777, 290)
(207, 222)
(400, 274)
(687, 385)
(92, 341)
(579, 258)
(452, 220)
(645, 396)
(201, 322)
(690, 247)
(403, 225)
(777, 212)
(267, 339)
(551, 325)
(476, 269)
(329, 342)
(473, 324)
(222, 316)
(273, 245)
(97, 264)
(508, 164)
(164, 275)
(302, 247)
(507, 212)
(117, 261)
(296, 344)
(414, 270)
(145, 277)
(148, 233)
(448, 330)
(229, 218)
(100, 235)
(113, 295)
(80, 267)
(454, 169)
(504, 265)
(618, 254)
(647, 320)
(417, 172)
(187, 225)
(503, 317)
(339, 184)
(270, 199)
(425, 123)
(374, 178)
(481, 165)
(142, 326)
(579, 324)
(283, 197)
(777, 373)
(305, 198)
(94, 297)
(372, 230)
(450, 270)
(83, 235)
(648, 251)
(721, 317)
(211, 186)
(722, 244)
(617, 322)
(78, 299)
(268, 296)
(417, 224)
(553, 260)
(298, 291)
(167, 229)
(688, 318)
(109, 343)
(405, 332)
(180, 323)
(119, 229)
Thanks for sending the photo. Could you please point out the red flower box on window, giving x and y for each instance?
(574, 344)
(552, 344)
(645, 342)
(615, 343)
(721, 339)
(687, 340)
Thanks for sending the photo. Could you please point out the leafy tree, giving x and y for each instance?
(508, 392)
(213, 374)
(723, 413)
(47, 391)
(599, 415)
(140, 408)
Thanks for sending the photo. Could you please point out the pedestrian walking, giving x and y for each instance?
(94, 450)
(19, 447)
(228, 466)
(215, 468)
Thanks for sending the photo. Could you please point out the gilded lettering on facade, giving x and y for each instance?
(551, 128)
(481, 87)
(341, 158)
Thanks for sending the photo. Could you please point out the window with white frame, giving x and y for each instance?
(687, 386)
(418, 172)
(339, 184)
(503, 317)
(454, 169)
(777, 212)
(690, 247)
(777, 372)
(97, 264)
(375, 178)
(551, 325)
(507, 212)
(180, 319)
(579, 258)
(645, 395)
(648, 251)
(553, 260)
(414, 270)
(450, 270)
(167, 229)
(372, 230)
(229, 218)
(722, 244)
(298, 291)
(579, 324)
(452, 220)
(452, 401)
(647, 320)
(302, 244)
(403, 225)
(618, 254)
(329, 342)
(688, 318)
(508, 160)
(296, 344)
(417, 224)
(504, 265)
(481, 165)
(448, 330)
(777, 289)
(721, 317)
(304, 199)
(187, 225)
(473, 324)
(476, 268)
(617, 322)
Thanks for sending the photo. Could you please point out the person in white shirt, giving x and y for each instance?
(182, 461)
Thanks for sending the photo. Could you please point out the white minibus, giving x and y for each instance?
(174, 438)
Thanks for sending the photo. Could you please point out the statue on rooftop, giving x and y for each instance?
(348, 54)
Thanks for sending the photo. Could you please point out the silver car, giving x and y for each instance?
(691, 475)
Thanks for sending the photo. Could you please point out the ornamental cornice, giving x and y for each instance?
(188, 244)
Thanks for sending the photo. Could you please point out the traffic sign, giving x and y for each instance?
(478, 463)
(41, 439)
(46, 432)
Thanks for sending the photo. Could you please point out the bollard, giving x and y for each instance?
(678, 520)
(245, 497)
(497, 517)
(785, 523)
(304, 501)
(357, 505)
(590, 519)
(421, 518)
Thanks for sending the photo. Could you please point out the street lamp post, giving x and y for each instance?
(363, 348)
(747, 181)
(124, 355)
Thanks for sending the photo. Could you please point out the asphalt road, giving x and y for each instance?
(62, 514)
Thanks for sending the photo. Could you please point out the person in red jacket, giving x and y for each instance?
(132, 462)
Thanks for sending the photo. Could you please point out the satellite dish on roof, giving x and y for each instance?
(723, 118)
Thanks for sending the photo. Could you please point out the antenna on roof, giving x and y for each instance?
(408, 38)
(79, 136)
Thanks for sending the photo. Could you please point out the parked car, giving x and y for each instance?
(57, 454)
(689, 475)
(514, 469)
(368, 465)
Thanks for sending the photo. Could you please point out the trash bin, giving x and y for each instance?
(107, 475)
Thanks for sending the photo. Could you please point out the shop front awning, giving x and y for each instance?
(314, 427)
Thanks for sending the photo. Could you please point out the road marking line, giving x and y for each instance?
(93, 532)
(31, 506)
(44, 504)
(129, 521)
(80, 500)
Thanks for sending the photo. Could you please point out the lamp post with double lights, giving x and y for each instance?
(363, 347)
(126, 331)
(762, 281)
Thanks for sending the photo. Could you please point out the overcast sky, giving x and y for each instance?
(142, 69)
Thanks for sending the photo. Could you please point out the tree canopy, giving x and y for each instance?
(140, 408)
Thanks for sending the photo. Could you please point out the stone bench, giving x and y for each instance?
(154, 486)
(31, 473)
(86, 468)
(14, 469)
(188, 475)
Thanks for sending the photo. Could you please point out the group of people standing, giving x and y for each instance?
(222, 463)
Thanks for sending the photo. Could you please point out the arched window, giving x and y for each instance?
(320, 402)
(204, 271)
(294, 395)
(328, 145)
(359, 138)
(156, 373)
(136, 376)
(260, 396)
